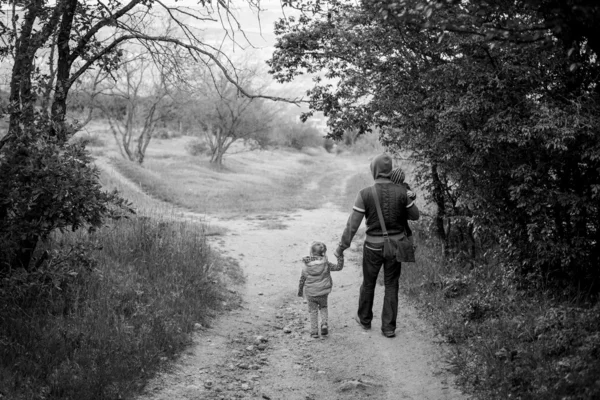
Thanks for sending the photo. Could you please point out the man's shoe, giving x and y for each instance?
(365, 327)
(389, 334)
(314, 335)
(324, 330)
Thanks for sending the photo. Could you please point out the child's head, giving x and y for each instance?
(318, 249)
(397, 176)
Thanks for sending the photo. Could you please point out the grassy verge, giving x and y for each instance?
(507, 341)
(108, 309)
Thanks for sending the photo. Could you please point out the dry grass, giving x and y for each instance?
(109, 309)
(262, 181)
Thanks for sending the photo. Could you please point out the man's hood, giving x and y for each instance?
(381, 166)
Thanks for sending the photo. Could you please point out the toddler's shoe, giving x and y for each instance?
(324, 330)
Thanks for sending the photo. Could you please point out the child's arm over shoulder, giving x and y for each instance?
(337, 267)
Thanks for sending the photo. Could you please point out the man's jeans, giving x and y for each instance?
(372, 262)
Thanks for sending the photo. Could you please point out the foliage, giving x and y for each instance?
(47, 186)
(197, 147)
(506, 342)
(291, 133)
(504, 129)
(88, 140)
(107, 309)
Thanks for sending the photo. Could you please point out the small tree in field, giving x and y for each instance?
(142, 90)
(227, 116)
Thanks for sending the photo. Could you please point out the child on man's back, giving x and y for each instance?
(397, 176)
(316, 284)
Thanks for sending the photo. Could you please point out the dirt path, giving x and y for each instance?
(263, 351)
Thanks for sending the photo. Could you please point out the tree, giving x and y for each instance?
(226, 117)
(143, 91)
(503, 124)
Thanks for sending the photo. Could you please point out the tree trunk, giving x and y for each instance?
(440, 201)
(63, 71)
(21, 99)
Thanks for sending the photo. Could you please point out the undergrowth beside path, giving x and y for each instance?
(508, 341)
(108, 309)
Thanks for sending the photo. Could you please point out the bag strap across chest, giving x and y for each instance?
(379, 213)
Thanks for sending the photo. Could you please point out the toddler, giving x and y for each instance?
(397, 176)
(316, 284)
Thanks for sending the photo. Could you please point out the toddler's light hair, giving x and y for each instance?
(318, 249)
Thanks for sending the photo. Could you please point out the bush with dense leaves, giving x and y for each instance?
(47, 185)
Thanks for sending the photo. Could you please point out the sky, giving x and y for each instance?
(258, 43)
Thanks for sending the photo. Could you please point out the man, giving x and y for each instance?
(396, 208)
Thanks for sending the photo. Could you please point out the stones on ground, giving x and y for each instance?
(260, 339)
(208, 384)
(286, 329)
(243, 366)
(261, 346)
(354, 385)
(198, 326)
(250, 348)
(245, 386)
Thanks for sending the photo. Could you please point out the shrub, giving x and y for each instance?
(298, 135)
(46, 186)
(196, 147)
(88, 140)
(165, 133)
(328, 144)
(507, 342)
